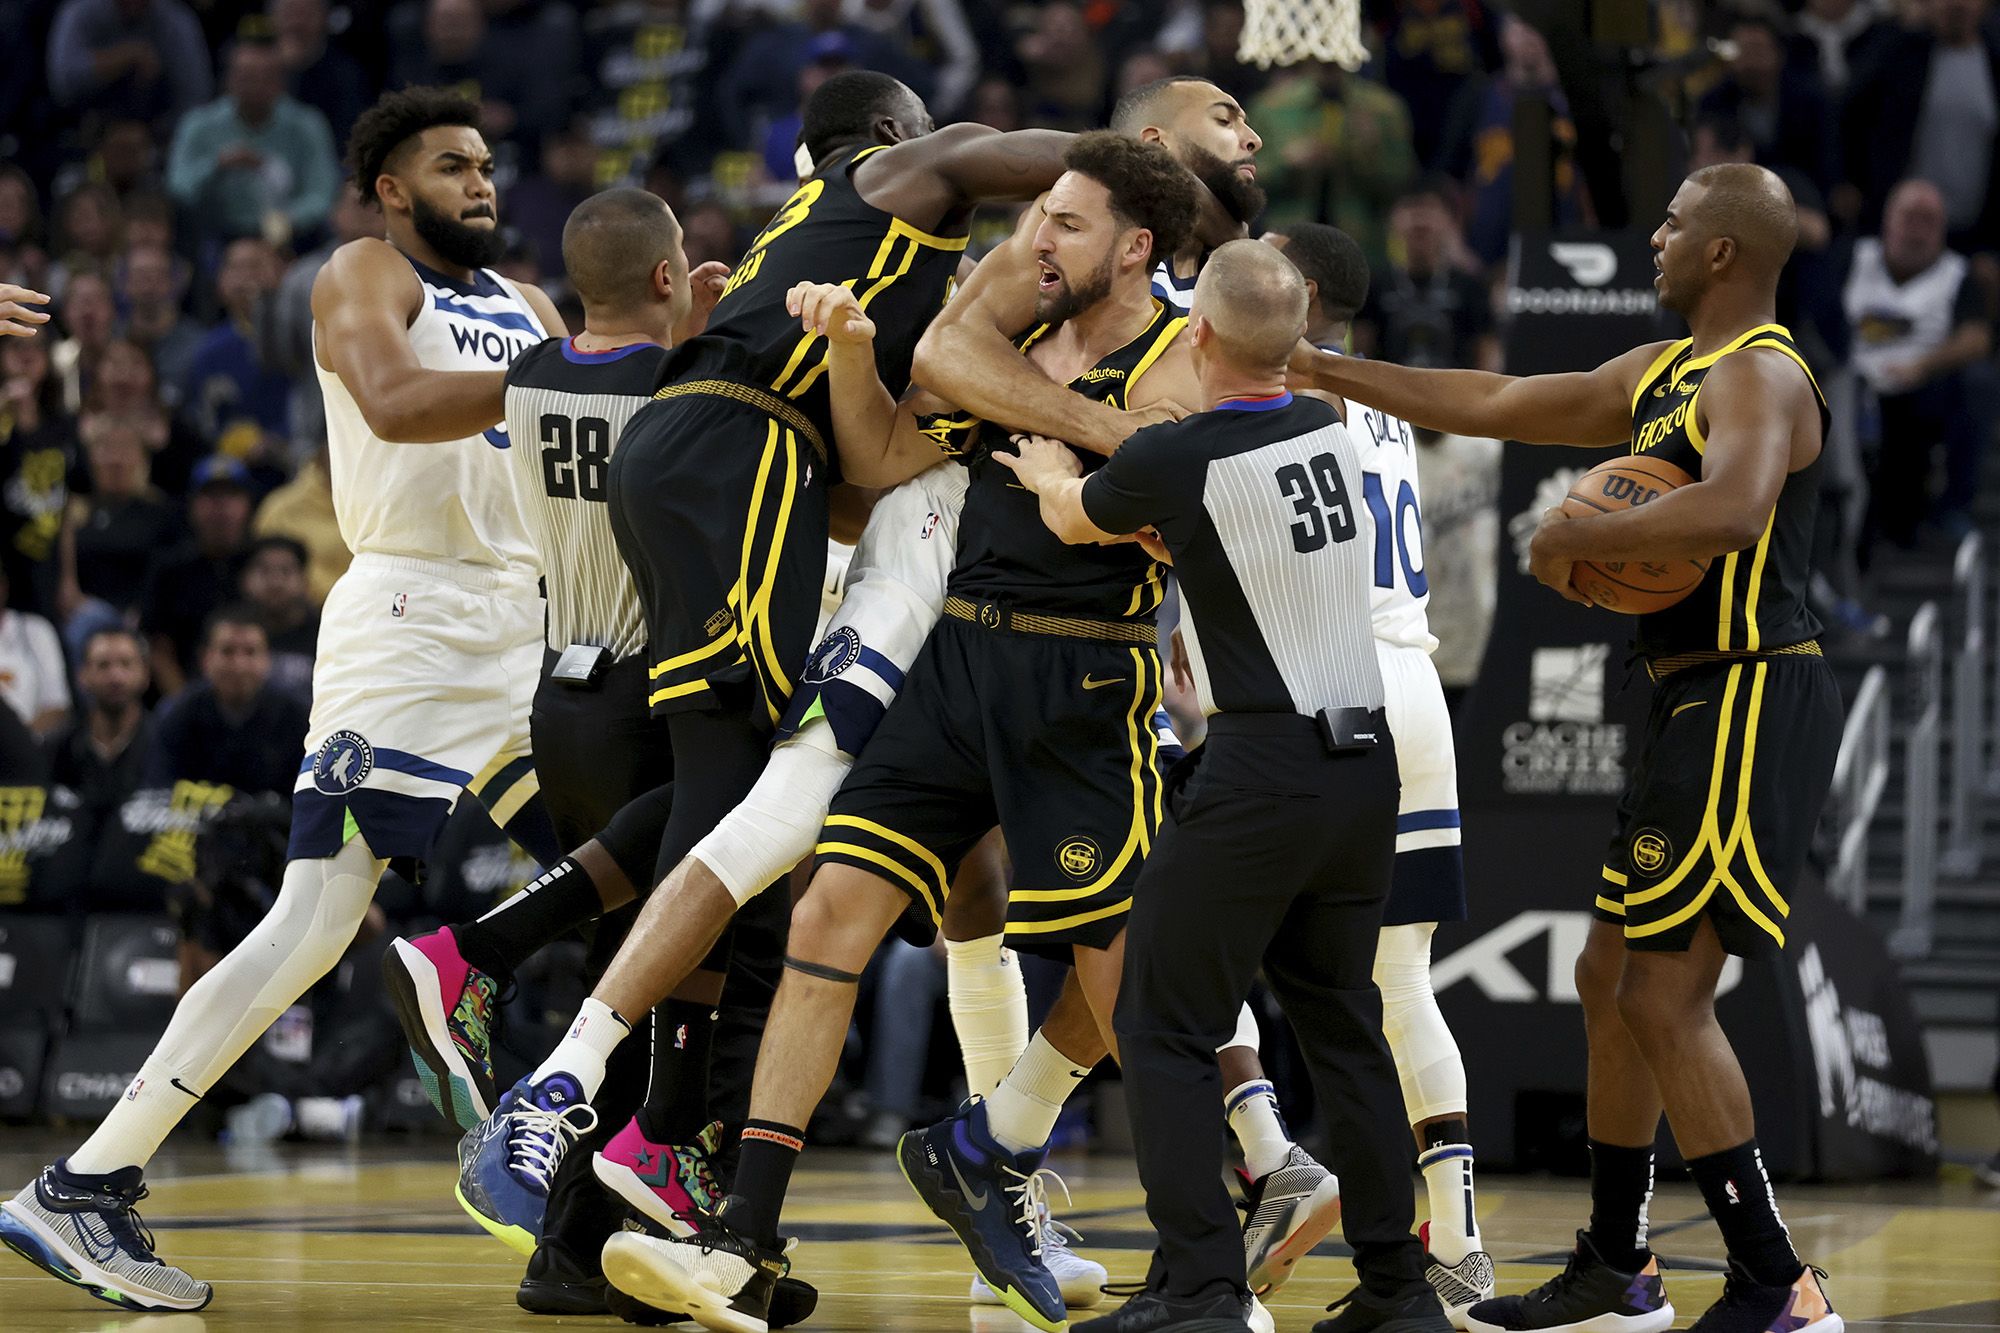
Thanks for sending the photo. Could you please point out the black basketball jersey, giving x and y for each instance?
(826, 232)
(1006, 552)
(1753, 600)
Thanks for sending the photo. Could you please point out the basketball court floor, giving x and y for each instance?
(297, 1238)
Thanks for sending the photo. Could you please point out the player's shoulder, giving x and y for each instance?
(368, 270)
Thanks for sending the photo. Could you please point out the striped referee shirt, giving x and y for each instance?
(565, 412)
(1256, 500)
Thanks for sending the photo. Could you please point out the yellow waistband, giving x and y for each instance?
(786, 414)
(1000, 616)
(1659, 668)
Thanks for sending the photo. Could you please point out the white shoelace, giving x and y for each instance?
(1034, 1201)
(540, 1138)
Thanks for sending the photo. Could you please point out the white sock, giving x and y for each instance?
(1022, 1111)
(989, 1008)
(581, 1054)
(1447, 1172)
(301, 938)
(1252, 1110)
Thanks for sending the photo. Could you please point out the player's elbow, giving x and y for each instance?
(931, 364)
(1741, 526)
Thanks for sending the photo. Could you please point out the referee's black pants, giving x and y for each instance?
(1276, 853)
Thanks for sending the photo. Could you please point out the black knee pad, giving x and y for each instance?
(633, 835)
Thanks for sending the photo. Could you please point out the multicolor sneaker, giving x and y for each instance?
(86, 1231)
(1286, 1213)
(445, 1005)
(505, 1166)
(1082, 1280)
(720, 1279)
(1588, 1296)
(987, 1196)
(1748, 1306)
(669, 1183)
(1459, 1286)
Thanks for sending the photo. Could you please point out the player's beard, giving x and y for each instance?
(456, 243)
(1241, 197)
(1073, 298)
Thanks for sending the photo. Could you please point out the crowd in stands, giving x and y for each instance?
(171, 174)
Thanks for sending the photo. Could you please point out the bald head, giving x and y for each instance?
(1254, 302)
(613, 243)
(1749, 205)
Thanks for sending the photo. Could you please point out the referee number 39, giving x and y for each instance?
(1318, 496)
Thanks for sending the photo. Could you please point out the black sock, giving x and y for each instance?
(676, 1108)
(557, 903)
(1621, 1185)
(1440, 1132)
(1741, 1202)
(763, 1174)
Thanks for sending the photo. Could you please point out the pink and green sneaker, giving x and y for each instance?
(445, 1005)
(670, 1183)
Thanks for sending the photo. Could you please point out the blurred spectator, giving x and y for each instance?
(320, 75)
(115, 530)
(149, 221)
(1918, 324)
(1431, 50)
(1426, 308)
(996, 102)
(1336, 149)
(707, 231)
(140, 58)
(255, 162)
(1459, 479)
(37, 452)
(33, 679)
(541, 204)
(102, 754)
(231, 727)
(284, 319)
(522, 87)
(155, 281)
(1215, 58)
(1479, 145)
(1928, 106)
(1778, 104)
(89, 317)
(123, 158)
(302, 509)
(125, 385)
(20, 207)
(89, 232)
(1835, 37)
(225, 384)
(274, 586)
(762, 83)
(937, 33)
(1067, 83)
(198, 578)
(779, 150)
(652, 61)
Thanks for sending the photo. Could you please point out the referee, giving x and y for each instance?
(1281, 837)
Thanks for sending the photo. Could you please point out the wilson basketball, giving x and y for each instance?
(1633, 587)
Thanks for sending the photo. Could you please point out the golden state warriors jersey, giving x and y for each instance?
(1752, 600)
(826, 232)
(1006, 552)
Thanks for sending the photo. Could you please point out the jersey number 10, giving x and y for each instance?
(1393, 541)
(575, 456)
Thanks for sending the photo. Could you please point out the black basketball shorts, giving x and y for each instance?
(719, 509)
(1051, 738)
(596, 748)
(1719, 814)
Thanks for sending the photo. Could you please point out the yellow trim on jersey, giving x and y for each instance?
(889, 863)
(1615, 908)
(1740, 835)
(754, 624)
(887, 834)
(1615, 877)
(1791, 352)
(1068, 922)
(1168, 333)
(1693, 421)
(1709, 819)
(1704, 362)
(686, 687)
(882, 284)
(1660, 363)
(688, 658)
(1725, 610)
(898, 227)
(1753, 633)
(1151, 582)
(869, 151)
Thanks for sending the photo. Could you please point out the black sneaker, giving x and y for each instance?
(720, 1279)
(1219, 1312)
(1362, 1311)
(1589, 1296)
(558, 1283)
(792, 1302)
(1748, 1306)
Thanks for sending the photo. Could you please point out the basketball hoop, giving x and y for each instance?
(1284, 32)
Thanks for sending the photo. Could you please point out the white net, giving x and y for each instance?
(1284, 32)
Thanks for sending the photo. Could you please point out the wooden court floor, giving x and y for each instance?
(371, 1239)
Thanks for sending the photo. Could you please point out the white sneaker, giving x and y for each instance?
(1462, 1285)
(1260, 1318)
(1082, 1280)
(1289, 1211)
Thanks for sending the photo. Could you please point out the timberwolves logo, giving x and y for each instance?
(836, 652)
(1651, 851)
(1078, 858)
(343, 763)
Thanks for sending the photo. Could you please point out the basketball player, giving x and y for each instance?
(718, 500)
(18, 317)
(1716, 821)
(429, 652)
(1280, 848)
(1429, 883)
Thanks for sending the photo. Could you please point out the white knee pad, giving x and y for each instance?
(1427, 1058)
(775, 826)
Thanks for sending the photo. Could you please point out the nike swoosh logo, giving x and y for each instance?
(1093, 683)
(1684, 707)
(974, 1200)
(185, 1088)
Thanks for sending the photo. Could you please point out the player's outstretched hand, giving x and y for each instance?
(705, 284)
(1549, 569)
(18, 316)
(830, 310)
(1041, 461)
(1150, 542)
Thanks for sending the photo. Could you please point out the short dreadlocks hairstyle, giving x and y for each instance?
(393, 121)
(1149, 187)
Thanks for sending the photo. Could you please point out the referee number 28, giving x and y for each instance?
(575, 455)
(1319, 498)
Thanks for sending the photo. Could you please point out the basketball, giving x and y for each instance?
(1632, 587)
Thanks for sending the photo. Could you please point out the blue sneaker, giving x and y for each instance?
(85, 1230)
(987, 1196)
(506, 1163)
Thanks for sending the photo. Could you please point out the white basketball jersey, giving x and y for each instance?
(452, 502)
(1392, 517)
(1171, 289)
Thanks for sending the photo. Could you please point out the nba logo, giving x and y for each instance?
(681, 1037)
(132, 1093)
(931, 522)
(399, 604)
